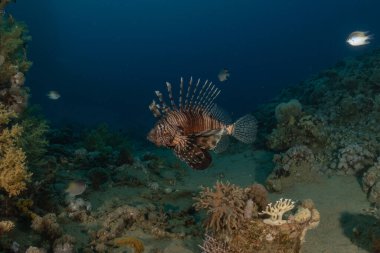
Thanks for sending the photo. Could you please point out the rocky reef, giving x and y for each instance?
(334, 115)
(327, 126)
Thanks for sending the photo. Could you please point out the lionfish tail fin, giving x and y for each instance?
(245, 129)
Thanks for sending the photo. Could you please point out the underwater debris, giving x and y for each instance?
(196, 125)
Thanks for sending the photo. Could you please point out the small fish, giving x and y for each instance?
(53, 95)
(224, 75)
(196, 125)
(359, 38)
(76, 188)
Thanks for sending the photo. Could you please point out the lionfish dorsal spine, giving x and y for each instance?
(180, 93)
(188, 91)
(200, 95)
(155, 109)
(201, 102)
(208, 99)
(212, 98)
(194, 92)
(162, 102)
(170, 93)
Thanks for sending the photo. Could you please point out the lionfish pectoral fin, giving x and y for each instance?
(222, 144)
(195, 157)
(209, 139)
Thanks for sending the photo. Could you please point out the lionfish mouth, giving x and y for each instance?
(152, 137)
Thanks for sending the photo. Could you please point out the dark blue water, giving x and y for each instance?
(107, 57)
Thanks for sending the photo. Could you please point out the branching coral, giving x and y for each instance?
(13, 171)
(225, 205)
(277, 210)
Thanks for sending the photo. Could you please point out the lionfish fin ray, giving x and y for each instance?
(155, 109)
(222, 144)
(180, 94)
(244, 129)
(209, 139)
(194, 156)
(188, 92)
(221, 115)
(164, 107)
(170, 93)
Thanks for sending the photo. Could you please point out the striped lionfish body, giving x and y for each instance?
(196, 125)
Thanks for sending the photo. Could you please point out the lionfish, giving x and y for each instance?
(196, 125)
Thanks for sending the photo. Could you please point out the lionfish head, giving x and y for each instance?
(160, 136)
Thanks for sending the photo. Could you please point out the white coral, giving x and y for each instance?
(277, 211)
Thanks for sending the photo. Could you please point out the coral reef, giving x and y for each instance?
(287, 113)
(371, 183)
(277, 211)
(132, 242)
(47, 225)
(353, 159)
(298, 164)
(255, 234)
(33, 139)
(64, 244)
(225, 204)
(14, 63)
(295, 127)
(6, 226)
(32, 249)
(212, 245)
(13, 170)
